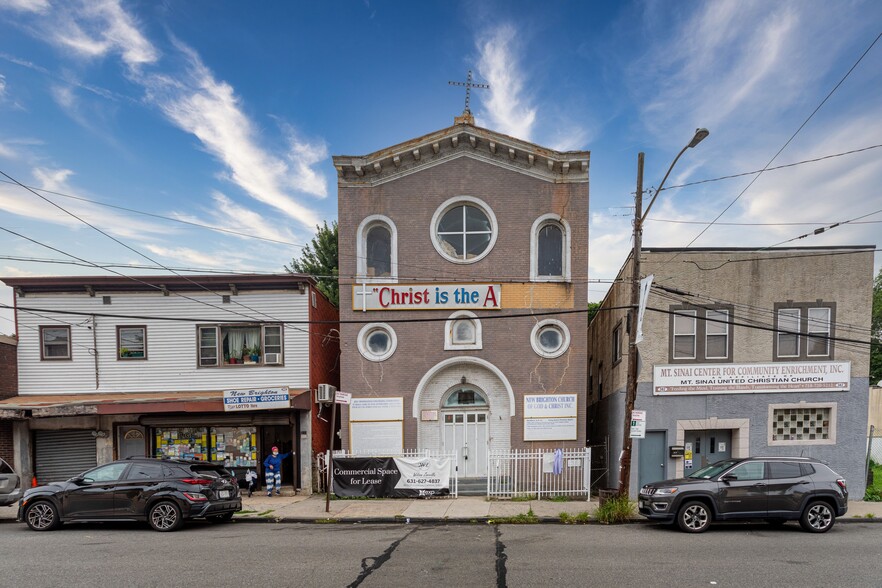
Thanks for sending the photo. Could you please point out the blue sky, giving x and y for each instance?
(227, 114)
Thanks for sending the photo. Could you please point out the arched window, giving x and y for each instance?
(377, 249)
(550, 249)
(465, 397)
(462, 330)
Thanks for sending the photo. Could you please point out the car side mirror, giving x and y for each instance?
(729, 478)
(78, 480)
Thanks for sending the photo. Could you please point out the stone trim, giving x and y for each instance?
(740, 436)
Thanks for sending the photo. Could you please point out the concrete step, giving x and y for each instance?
(473, 486)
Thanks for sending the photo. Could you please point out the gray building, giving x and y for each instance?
(745, 352)
(456, 231)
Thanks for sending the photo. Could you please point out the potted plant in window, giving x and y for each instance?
(124, 352)
(255, 353)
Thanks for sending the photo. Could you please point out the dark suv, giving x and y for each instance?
(162, 492)
(777, 489)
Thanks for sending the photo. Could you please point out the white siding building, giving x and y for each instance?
(111, 367)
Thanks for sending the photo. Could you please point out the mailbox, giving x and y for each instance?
(677, 450)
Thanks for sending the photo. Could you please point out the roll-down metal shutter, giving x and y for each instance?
(61, 455)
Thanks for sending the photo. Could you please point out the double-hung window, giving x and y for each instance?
(804, 331)
(617, 344)
(700, 334)
(225, 345)
(131, 342)
(55, 342)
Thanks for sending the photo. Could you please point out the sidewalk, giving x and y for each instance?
(289, 508)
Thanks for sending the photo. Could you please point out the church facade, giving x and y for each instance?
(463, 283)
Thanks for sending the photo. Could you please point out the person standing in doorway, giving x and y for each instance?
(272, 465)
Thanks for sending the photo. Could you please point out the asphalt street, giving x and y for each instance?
(382, 555)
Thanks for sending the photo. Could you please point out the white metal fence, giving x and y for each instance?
(874, 447)
(544, 472)
(451, 455)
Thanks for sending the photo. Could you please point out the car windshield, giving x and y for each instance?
(713, 469)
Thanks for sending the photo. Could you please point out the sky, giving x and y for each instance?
(227, 114)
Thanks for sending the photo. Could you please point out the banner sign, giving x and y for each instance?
(751, 378)
(259, 399)
(551, 429)
(645, 285)
(426, 297)
(377, 409)
(549, 405)
(391, 477)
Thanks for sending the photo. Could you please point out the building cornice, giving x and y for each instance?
(462, 140)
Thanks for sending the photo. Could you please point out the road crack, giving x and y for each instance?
(501, 558)
(377, 562)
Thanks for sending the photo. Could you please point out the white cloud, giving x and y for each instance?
(229, 215)
(16, 200)
(96, 28)
(6, 152)
(27, 5)
(508, 109)
(186, 255)
(208, 108)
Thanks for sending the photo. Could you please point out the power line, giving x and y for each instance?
(120, 242)
(684, 222)
(820, 230)
(783, 147)
(750, 173)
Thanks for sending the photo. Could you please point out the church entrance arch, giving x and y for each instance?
(464, 404)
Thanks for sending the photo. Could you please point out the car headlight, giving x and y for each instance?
(666, 491)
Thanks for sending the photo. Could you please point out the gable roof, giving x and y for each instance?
(463, 139)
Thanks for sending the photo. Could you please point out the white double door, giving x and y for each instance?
(467, 434)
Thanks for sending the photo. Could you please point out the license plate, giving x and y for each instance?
(223, 493)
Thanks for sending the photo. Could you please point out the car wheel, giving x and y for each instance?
(165, 516)
(817, 517)
(42, 516)
(694, 517)
(221, 518)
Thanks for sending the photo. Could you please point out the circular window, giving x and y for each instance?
(550, 338)
(464, 229)
(377, 341)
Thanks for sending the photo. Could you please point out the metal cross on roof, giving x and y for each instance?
(468, 86)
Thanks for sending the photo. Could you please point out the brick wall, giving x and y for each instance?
(517, 201)
(8, 387)
(324, 361)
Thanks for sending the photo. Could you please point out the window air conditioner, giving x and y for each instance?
(272, 358)
(325, 393)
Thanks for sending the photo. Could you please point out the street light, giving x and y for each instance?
(631, 393)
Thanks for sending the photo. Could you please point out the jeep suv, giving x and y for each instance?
(163, 492)
(777, 489)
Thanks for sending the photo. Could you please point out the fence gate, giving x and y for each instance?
(544, 472)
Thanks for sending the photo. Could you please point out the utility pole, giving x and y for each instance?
(631, 391)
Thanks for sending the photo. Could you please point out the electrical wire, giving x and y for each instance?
(783, 147)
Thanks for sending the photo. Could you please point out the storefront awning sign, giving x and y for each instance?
(256, 399)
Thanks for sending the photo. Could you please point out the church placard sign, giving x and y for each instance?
(373, 296)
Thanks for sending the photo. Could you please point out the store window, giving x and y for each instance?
(54, 343)
(248, 345)
(236, 447)
(464, 229)
(550, 249)
(804, 331)
(131, 343)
